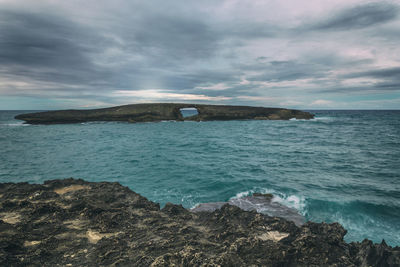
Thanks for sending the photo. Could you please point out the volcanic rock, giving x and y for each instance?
(262, 203)
(77, 223)
(161, 112)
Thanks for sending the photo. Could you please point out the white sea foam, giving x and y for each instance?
(323, 118)
(97, 122)
(194, 206)
(294, 119)
(292, 201)
(15, 124)
(314, 119)
(243, 194)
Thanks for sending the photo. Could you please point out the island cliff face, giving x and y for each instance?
(163, 111)
(77, 223)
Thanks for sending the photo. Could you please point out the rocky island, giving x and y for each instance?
(161, 112)
(77, 223)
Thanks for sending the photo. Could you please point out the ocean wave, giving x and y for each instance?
(294, 119)
(292, 201)
(360, 219)
(99, 122)
(323, 119)
(314, 119)
(243, 194)
(15, 124)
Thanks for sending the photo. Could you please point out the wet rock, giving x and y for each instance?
(262, 203)
(77, 223)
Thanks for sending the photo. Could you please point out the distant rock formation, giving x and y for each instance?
(161, 112)
(77, 223)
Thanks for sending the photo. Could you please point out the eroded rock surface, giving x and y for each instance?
(77, 223)
(163, 111)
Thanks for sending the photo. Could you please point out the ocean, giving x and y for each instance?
(342, 166)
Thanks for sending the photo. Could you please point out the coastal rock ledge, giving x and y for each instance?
(77, 223)
(163, 112)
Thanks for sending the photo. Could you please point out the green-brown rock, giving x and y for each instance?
(161, 112)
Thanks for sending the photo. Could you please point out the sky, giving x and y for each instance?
(304, 54)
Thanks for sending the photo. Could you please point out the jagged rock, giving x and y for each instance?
(262, 203)
(77, 223)
(163, 111)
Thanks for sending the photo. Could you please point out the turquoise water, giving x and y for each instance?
(343, 166)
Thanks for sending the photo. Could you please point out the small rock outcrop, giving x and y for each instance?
(163, 111)
(263, 203)
(77, 223)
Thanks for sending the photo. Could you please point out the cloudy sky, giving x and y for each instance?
(307, 54)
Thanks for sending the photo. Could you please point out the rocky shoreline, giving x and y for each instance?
(163, 112)
(77, 223)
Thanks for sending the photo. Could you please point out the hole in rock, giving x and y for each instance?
(188, 112)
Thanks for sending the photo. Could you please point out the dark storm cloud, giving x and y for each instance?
(28, 39)
(387, 79)
(359, 17)
(224, 49)
(276, 71)
(378, 80)
(45, 47)
(189, 81)
(250, 30)
(377, 73)
(314, 66)
(171, 38)
(167, 39)
(389, 86)
(379, 87)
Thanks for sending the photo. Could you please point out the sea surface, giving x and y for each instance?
(343, 166)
